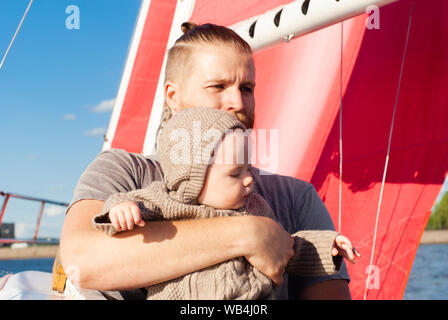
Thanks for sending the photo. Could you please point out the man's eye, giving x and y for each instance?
(247, 89)
(217, 86)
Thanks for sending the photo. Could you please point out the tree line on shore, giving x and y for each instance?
(439, 216)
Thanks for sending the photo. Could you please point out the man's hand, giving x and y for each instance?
(270, 247)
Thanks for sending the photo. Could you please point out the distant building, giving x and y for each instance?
(7, 232)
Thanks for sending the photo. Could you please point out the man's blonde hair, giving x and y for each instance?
(179, 56)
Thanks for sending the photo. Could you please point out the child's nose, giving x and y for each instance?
(248, 180)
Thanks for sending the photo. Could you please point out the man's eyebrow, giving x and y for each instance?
(224, 80)
(249, 83)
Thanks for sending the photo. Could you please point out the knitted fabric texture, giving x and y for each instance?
(233, 279)
(186, 145)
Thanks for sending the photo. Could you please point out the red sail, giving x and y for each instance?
(419, 146)
(298, 92)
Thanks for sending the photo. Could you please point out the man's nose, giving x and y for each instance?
(234, 101)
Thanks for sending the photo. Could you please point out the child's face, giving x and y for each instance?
(228, 182)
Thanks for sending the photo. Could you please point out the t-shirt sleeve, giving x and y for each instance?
(313, 216)
(114, 171)
(313, 213)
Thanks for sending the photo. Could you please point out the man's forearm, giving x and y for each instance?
(160, 251)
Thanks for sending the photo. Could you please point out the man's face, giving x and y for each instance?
(218, 77)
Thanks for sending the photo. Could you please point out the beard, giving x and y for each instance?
(247, 118)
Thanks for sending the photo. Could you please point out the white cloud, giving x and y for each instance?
(95, 132)
(70, 116)
(54, 210)
(104, 106)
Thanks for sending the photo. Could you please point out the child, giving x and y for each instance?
(206, 174)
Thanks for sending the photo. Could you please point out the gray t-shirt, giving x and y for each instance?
(296, 204)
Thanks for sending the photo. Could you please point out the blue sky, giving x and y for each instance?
(52, 86)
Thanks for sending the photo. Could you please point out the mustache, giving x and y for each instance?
(247, 118)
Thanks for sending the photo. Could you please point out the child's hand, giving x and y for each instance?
(343, 246)
(125, 215)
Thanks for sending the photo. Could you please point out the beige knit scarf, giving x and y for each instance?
(232, 279)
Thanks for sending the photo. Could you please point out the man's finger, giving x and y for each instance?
(278, 280)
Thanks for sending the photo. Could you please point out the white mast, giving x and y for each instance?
(298, 18)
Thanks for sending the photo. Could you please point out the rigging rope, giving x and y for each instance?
(340, 129)
(388, 147)
(15, 34)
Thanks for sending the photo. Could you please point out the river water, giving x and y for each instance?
(428, 279)
(429, 275)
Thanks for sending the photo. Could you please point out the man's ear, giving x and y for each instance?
(172, 96)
